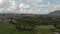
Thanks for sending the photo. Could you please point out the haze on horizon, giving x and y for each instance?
(29, 6)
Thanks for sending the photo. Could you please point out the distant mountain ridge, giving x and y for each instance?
(55, 13)
(13, 17)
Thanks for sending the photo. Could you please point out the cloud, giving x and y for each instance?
(24, 7)
(12, 7)
(0, 1)
(29, 6)
(8, 6)
(4, 4)
(57, 7)
(34, 0)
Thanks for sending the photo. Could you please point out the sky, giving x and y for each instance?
(29, 6)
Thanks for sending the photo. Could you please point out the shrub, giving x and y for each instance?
(58, 26)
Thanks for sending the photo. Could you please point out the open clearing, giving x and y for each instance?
(7, 28)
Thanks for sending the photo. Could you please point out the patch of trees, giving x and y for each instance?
(29, 24)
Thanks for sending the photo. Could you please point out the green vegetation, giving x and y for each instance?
(58, 26)
(45, 29)
(30, 25)
(7, 28)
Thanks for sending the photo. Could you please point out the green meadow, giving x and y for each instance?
(7, 28)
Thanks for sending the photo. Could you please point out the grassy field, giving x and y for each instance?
(7, 28)
(45, 29)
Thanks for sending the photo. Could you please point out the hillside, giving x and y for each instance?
(12, 17)
(55, 13)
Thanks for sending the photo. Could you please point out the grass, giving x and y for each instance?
(45, 29)
(7, 28)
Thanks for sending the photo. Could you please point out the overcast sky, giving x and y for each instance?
(29, 6)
